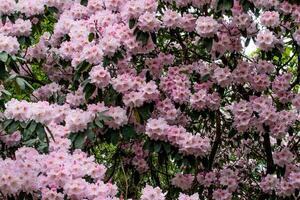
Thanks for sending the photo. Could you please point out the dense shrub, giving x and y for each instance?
(149, 99)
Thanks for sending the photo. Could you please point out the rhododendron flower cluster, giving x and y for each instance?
(149, 99)
(189, 144)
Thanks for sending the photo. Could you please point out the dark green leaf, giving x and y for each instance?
(114, 137)
(7, 123)
(132, 23)
(157, 147)
(31, 142)
(167, 147)
(79, 141)
(13, 127)
(3, 56)
(89, 90)
(90, 135)
(24, 124)
(99, 123)
(41, 132)
(91, 37)
(247, 42)
(43, 147)
(143, 37)
(32, 126)
(128, 132)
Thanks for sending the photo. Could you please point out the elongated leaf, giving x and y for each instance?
(79, 141)
(3, 56)
(20, 83)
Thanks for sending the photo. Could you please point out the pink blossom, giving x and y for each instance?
(152, 193)
(206, 26)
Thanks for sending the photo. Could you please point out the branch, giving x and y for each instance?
(268, 151)
(217, 141)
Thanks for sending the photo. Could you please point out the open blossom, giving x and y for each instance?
(167, 109)
(270, 19)
(134, 99)
(207, 179)
(187, 197)
(229, 178)
(99, 76)
(46, 91)
(202, 100)
(118, 117)
(123, 82)
(77, 120)
(148, 22)
(296, 36)
(266, 40)
(222, 76)
(76, 98)
(110, 45)
(7, 6)
(155, 128)
(206, 26)
(296, 101)
(9, 44)
(183, 181)
(30, 171)
(151, 193)
(194, 145)
(269, 183)
(171, 19)
(30, 7)
(283, 157)
(10, 139)
(220, 194)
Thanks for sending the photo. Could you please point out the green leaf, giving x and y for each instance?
(128, 132)
(26, 135)
(3, 72)
(205, 78)
(79, 141)
(83, 67)
(208, 42)
(20, 83)
(6, 92)
(84, 2)
(28, 84)
(89, 90)
(143, 37)
(167, 147)
(144, 112)
(32, 126)
(91, 37)
(114, 137)
(157, 147)
(132, 23)
(102, 116)
(43, 147)
(41, 132)
(13, 127)
(99, 123)
(247, 42)
(24, 124)
(30, 143)
(154, 38)
(7, 123)
(227, 4)
(90, 135)
(3, 56)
